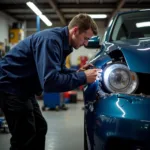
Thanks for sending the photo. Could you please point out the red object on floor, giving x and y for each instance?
(66, 94)
(73, 96)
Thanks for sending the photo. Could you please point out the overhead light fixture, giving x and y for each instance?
(143, 24)
(34, 8)
(98, 16)
(45, 20)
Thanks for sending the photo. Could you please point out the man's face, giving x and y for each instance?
(81, 39)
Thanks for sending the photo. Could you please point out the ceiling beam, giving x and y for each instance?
(65, 10)
(54, 14)
(104, 5)
(20, 6)
(119, 6)
(75, 6)
(101, 1)
(34, 19)
(58, 12)
(139, 1)
(51, 16)
(77, 1)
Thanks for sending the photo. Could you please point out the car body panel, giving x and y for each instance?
(139, 49)
(125, 106)
(118, 115)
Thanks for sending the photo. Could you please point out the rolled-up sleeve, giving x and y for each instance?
(47, 58)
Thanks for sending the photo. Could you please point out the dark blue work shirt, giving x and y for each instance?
(37, 63)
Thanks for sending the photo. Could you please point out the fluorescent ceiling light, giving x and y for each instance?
(143, 24)
(34, 8)
(39, 13)
(94, 16)
(46, 20)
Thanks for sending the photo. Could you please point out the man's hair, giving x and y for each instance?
(84, 22)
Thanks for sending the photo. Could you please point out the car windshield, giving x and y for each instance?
(132, 25)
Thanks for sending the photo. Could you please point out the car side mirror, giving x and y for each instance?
(93, 42)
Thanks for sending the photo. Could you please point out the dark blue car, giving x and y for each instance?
(117, 104)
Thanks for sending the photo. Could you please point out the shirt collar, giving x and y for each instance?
(66, 45)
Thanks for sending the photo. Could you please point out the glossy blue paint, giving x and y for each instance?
(125, 117)
(101, 60)
(124, 106)
(90, 91)
(94, 42)
(122, 116)
(139, 49)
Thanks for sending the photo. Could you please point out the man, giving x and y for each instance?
(36, 64)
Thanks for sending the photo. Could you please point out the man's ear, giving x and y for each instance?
(75, 29)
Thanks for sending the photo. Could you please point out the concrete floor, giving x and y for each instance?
(65, 129)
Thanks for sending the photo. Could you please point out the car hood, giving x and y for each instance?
(135, 51)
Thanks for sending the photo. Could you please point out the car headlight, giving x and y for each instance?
(118, 78)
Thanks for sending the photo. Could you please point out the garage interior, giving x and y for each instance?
(65, 127)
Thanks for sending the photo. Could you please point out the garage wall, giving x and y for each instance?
(5, 22)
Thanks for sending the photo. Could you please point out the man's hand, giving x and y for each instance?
(85, 67)
(92, 75)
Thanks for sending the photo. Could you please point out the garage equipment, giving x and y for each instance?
(53, 101)
(3, 123)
